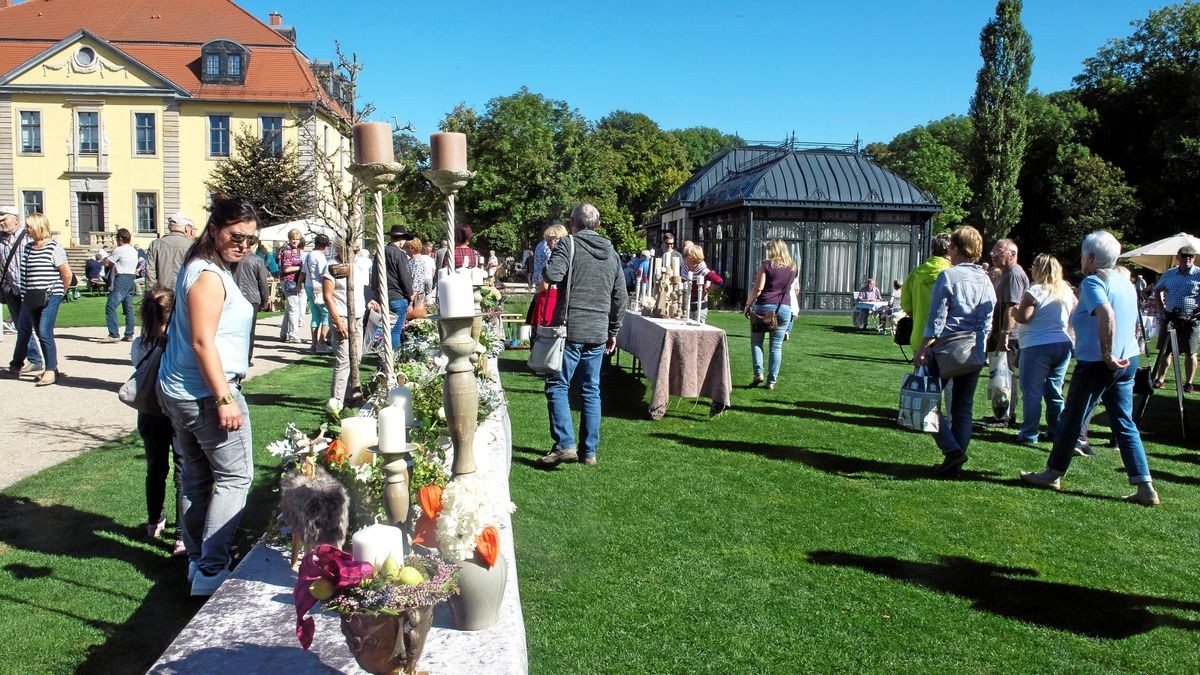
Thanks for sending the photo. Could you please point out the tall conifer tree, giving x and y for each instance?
(1000, 116)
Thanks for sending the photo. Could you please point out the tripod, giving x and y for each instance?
(1172, 341)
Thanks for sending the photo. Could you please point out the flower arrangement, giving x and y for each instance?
(459, 520)
(347, 586)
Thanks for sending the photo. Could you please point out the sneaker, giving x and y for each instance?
(1045, 479)
(127, 338)
(556, 457)
(155, 530)
(1083, 449)
(950, 463)
(47, 379)
(758, 379)
(590, 460)
(204, 585)
(14, 372)
(324, 349)
(110, 339)
(770, 386)
(32, 368)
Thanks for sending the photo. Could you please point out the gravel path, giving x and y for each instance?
(42, 426)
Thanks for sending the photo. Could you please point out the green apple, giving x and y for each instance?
(389, 569)
(411, 576)
(322, 589)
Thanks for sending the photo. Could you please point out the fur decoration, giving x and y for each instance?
(315, 506)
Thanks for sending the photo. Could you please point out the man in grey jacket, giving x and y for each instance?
(254, 283)
(166, 254)
(592, 309)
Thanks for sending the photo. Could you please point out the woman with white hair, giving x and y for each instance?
(1106, 358)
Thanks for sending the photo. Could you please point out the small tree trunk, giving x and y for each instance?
(353, 325)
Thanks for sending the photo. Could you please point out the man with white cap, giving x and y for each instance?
(12, 254)
(1179, 291)
(167, 252)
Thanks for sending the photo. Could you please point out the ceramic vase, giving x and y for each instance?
(388, 644)
(480, 593)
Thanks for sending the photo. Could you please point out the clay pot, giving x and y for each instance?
(480, 593)
(385, 644)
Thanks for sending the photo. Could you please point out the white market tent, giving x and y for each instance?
(309, 227)
(1160, 256)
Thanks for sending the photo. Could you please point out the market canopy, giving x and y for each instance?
(309, 228)
(1160, 256)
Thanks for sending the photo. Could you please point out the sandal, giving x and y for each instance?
(1158, 384)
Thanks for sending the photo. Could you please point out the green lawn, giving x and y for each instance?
(81, 588)
(796, 532)
(800, 532)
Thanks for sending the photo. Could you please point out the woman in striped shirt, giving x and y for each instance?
(45, 275)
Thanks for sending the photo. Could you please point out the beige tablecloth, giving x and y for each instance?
(679, 359)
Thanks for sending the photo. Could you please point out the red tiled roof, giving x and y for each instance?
(171, 21)
(165, 36)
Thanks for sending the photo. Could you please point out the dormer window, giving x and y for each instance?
(223, 62)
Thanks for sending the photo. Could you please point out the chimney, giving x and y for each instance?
(276, 17)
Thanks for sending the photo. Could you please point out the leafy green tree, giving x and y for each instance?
(1091, 195)
(651, 163)
(412, 201)
(934, 157)
(998, 111)
(703, 143)
(275, 183)
(1145, 89)
(529, 153)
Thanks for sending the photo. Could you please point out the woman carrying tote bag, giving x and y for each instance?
(960, 317)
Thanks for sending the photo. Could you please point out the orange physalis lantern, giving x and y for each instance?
(487, 545)
(336, 452)
(430, 498)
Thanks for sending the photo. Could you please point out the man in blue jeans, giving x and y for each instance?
(591, 308)
(122, 262)
(399, 282)
(12, 246)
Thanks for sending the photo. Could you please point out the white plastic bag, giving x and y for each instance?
(1000, 382)
(920, 395)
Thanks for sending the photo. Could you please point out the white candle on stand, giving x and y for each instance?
(375, 543)
(403, 397)
(393, 434)
(359, 433)
(456, 296)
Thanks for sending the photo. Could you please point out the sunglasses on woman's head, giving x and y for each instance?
(240, 238)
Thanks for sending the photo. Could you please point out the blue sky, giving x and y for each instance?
(827, 71)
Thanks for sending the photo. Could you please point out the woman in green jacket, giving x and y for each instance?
(918, 287)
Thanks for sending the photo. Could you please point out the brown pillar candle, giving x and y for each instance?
(373, 143)
(448, 151)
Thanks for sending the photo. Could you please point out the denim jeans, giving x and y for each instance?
(34, 353)
(43, 320)
(1041, 374)
(121, 294)
(784, 312)
(954, 434)
(218, 466)
(580, 362)
(399, 309)
(1092, 382)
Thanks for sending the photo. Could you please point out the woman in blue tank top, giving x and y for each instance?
(199, 382)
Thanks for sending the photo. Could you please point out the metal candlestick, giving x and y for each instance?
(375, 176)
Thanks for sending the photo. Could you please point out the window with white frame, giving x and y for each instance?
(233, 65)
(32, 202)
(272, 135)
(147, 212)
(89, 132)
(144, 134)
(218, 135)
(31, 131)
(212, 65)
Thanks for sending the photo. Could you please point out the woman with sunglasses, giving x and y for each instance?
(208, 342)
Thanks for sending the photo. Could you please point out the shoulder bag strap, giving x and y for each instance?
(18, 240)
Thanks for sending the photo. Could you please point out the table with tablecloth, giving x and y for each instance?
(679, 359)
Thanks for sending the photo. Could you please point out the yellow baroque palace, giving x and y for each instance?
(113, 113)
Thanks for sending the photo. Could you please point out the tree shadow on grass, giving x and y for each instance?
(1189, 457)
(1015, 593)
(863, 359)
(1159, 474)
(274, 399)
(131, 645)
(857, 415)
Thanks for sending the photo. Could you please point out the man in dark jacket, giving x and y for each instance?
(592, 309)
(254, 283)
(399, 282)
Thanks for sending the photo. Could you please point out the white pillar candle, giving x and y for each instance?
(393, 435)
(657, 267)
(358, 434)
(403, 397)
(456, 296)
(674, 265)
(375, 543)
